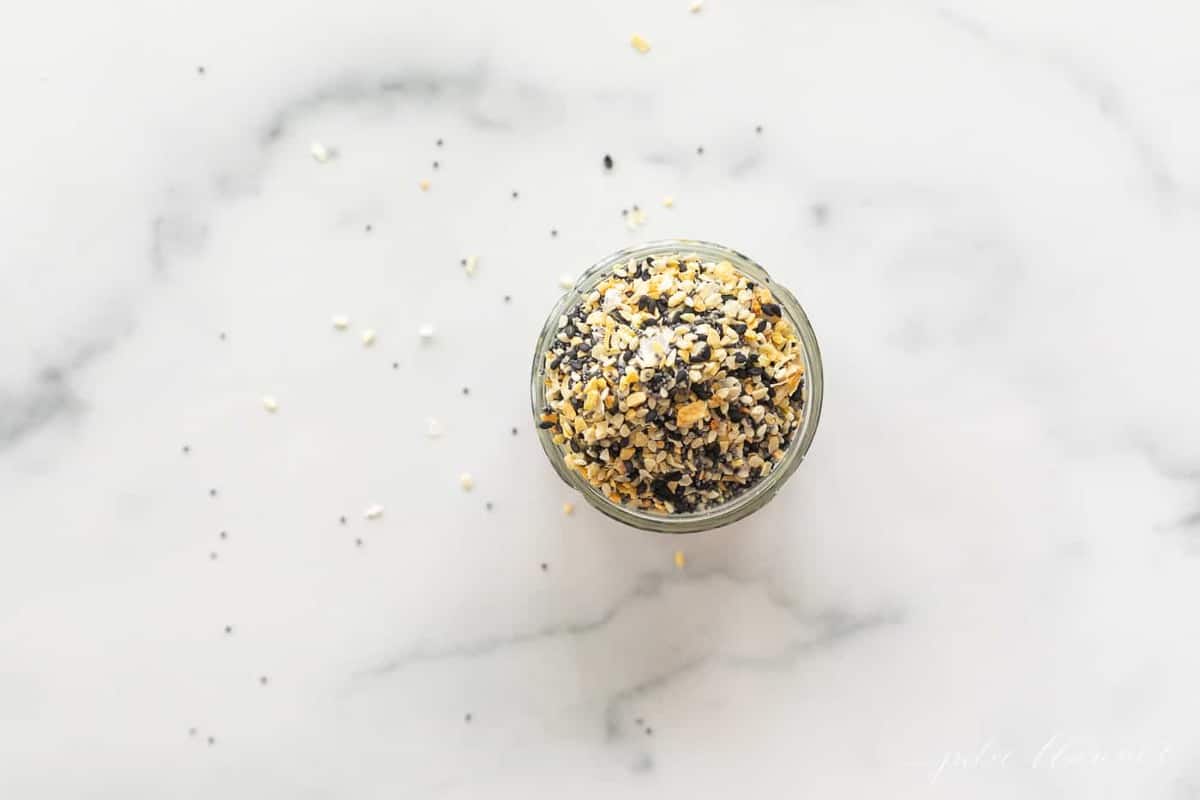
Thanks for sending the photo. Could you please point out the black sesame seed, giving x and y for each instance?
(358, 542)
(553, 232)
(342, 520)
(368, 228)
(700, 151)
(514, 194)
(508, 298)
(467, 718)
(200, 70)
(488, 505)
(436, 165)
(758, 128)
(211, 740)
(262, 680)
(187, 449)
(608, 162)
(545, 566)
(514, 431)
(228, 629)
(224, 534)
(212, 492)
(439, 142)
(771, 309)
(466, 390)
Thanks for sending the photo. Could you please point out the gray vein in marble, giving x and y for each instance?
(1096, 89)
(50, 396)
(649, 585)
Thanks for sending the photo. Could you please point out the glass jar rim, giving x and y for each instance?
(757, 495)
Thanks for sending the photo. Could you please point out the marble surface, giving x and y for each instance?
(982, 583)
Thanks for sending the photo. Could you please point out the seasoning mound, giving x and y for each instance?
(675, 384)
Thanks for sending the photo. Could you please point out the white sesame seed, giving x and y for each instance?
(433, 428)
(425, 332)
(566, 281)
(424, 184)
(696, 6)
(368, 337)
(469, 264)
(341, 323)
(668, 201)
(373, 512)
(270, 403)
(466, 481)
(320, 152)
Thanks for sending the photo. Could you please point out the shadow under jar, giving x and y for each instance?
(807, 403)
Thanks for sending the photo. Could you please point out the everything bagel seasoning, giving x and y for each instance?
(675, 384)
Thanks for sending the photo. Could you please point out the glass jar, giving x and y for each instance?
(757, 495)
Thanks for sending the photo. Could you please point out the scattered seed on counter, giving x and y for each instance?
(608, 162)
(680, 561)
(514, 194)
(469, 264)
(668, 201)
(700, 150)
(368, 228)
(433, 428)
(395, 365)
(426, 332)
(566, 281)
(224, 534)
(373, 512)
(212, 492)
(424, 184)
(639, 43)
(270, 404)
(436, 165)
(508, 298)
(467, 718)
(466, 390)
(674, 385)
(758, 128)
(696, 6)
(200, 70)
(439, 142)
(545, 567)
(341, 520)
(262, 680)
(222, 336)
(488, 506)
(212, 556)
(514, 431)
(554, 233)
(568, 509)
(368, 337)
(187, 448)
(212, 740)
(228, 630)
(192, 731)
(466, 481)
(358, 542)
(320, 152)
(340, 323)
(635, 219)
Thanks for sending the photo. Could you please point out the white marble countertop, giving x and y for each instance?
(981, 584)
